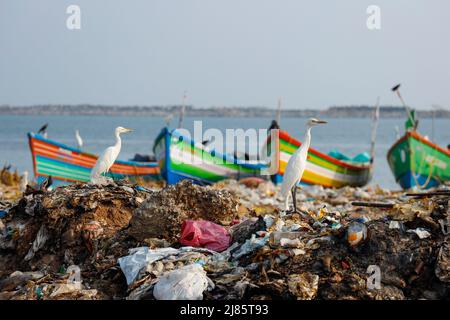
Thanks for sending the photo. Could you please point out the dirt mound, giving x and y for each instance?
(64, 226)
(162, 214)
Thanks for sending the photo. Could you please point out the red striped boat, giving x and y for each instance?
(67, 165)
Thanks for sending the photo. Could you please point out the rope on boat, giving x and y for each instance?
(414, 173)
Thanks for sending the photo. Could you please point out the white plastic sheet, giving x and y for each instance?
(186, 283)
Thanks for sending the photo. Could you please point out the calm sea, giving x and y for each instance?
(350, 136)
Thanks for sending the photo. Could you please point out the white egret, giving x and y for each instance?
(24, 181)
(79, 140)
(296, 166)
(108, 157)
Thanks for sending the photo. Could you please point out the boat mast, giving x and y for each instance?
(183, 106)
(434, 107)
(376, 117)
(396, 89)
(278, 117)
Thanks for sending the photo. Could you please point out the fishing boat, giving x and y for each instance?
(181, 158)
(417, 162)
(328, 170)
(68, 165)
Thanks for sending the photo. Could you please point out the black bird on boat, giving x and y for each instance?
(43, 128)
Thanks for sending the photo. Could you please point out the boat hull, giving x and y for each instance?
(418, 163)
(321, 169)
(181, 158)
(70, 165)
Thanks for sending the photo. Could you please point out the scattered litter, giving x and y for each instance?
(229, 240)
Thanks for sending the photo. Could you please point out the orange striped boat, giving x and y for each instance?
(67, 165)
(323, 169)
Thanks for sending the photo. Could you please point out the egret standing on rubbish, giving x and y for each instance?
(79, 140)
(108, 157)
(296, 166)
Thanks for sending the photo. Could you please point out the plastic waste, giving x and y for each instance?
(269, 220)
(290, 243)
(244, 230)
(445, 225)
(38, 243)
(304, 286)
(421, 233)
(186, 283)
(205, 234)
(277, 236)
(442, 269)
(356, 233)
(251, 245)
(140, 257)
(3, 213)
(394, 224)
(65, 288)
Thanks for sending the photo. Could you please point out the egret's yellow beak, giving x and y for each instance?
(320, 121)
(128, 130)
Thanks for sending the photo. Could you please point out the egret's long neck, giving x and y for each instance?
(307, 140)
(118, 140)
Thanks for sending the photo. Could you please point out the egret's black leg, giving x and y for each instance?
(295, 197)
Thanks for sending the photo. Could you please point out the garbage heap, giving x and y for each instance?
(226, 241)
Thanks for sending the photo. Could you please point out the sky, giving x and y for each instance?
(313, 54)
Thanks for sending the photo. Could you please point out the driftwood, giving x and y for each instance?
(429, 194)
(373, 204)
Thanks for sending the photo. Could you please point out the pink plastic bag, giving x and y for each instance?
(205, 234)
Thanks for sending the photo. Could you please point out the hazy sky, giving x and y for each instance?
(224, 52)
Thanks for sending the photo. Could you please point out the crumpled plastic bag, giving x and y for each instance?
(251, 245)
(185, 283)
(421, 233)
(205, 234)
(139, 257)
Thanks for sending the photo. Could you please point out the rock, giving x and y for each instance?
(163, 213)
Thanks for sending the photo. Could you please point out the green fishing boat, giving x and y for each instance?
(181, 158)
(417, 162)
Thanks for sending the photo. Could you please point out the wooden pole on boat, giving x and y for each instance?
(376, 117)
(434, 107)
(408, 110)
(183, 106)
(278, 117)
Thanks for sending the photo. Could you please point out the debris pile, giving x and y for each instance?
(162, 214)
(123, 241)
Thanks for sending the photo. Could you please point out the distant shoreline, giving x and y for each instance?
(229, 112)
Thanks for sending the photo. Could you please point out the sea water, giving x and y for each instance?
(348, 135)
